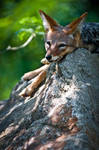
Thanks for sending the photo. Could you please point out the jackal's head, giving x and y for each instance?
(60, 40)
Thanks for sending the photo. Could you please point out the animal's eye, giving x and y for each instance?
(62, 45)
(48, 43)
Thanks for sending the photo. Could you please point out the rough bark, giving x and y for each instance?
(61, 115)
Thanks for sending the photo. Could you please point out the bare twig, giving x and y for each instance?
(23, 45)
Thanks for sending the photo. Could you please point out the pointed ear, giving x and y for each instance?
(75, 25)
(48, 22)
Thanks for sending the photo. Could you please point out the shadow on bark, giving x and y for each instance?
(62, 114)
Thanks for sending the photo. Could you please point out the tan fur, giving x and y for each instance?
(56, 34)
(32, 74)
(37, 80)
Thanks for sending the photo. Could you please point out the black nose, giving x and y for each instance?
(48, 57)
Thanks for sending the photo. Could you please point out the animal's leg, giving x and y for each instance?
(32, 74)
(37, 80)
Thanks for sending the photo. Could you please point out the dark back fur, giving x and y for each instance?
(90, 35)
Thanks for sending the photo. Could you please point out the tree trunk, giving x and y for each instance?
(61, 115)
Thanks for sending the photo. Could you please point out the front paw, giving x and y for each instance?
(27, 76)
(26, 92)
(44, 61)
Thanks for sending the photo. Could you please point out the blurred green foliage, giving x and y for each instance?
(18, 20)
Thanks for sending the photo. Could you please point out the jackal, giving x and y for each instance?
(59, 41)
